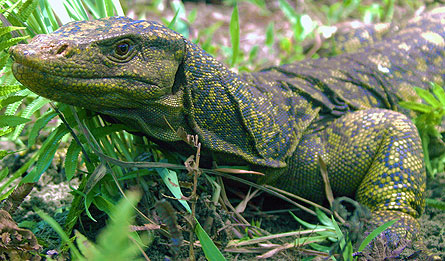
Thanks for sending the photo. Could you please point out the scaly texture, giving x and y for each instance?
(279, 120)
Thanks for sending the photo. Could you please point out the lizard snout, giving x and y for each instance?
(41, 47)
(16, 52)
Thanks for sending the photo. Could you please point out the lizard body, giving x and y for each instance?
(279, 121)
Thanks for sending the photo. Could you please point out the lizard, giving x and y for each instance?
(279, 121)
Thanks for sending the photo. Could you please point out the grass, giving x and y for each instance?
(92, 145)
(428, 121)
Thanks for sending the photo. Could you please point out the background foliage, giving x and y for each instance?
(43, 134)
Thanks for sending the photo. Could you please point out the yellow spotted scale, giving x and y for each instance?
(279, 120)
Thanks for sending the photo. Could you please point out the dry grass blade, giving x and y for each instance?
(273, 249)
(145, 227)
(239, 171)
(273, 252)
(126, 164)
(270, 237)
(327, 184)
(98, 173)
(225, 203)
(17, 196)
(277, 190)
(268, 189)
(243, 204)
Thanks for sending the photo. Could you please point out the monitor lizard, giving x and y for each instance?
(279, 121)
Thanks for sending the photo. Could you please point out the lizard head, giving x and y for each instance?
(110, 63)
(154, 80)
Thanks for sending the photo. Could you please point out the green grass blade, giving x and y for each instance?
(35, 105)
(96, 12)
(76, 10)
(191, 18)
(117, 5)
(439, 92)
(71, 159)
(26, 9)
(389, 11)
(38, 24)
(270, 39)
(435, 203)
(288, 11)
(72, 11)
(181, 26)
(35, 23)
(415, 106)
(302, 222)
(427, 96)
(13, 41)
(8, 29)
(6, 89)
(38, 125)
(425, 139)
(340, 236)
(4, 172)
(100, 8)
(11, 120)
(11, 99)
(114, 242)
(53, 8)
(171, 181)
(324, 219)
(65, 239)
(234, 34)
(210, 250)
(86, 247)
(346, 247)
(375, 233)
(47, 152)
(109, 10)
(172, 23)
(253, 53)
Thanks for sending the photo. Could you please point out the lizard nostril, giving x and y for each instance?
(62, 48)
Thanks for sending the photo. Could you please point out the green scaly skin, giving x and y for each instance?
(279, 121)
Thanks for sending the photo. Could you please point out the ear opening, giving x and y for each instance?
(180, 79)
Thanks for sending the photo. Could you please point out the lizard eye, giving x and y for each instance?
(123, 51)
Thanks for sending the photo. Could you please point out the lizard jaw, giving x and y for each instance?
(92, 93)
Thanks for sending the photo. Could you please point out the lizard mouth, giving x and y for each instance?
(51, 86)
(93, 92)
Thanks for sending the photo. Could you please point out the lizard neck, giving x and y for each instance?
(260, 121)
